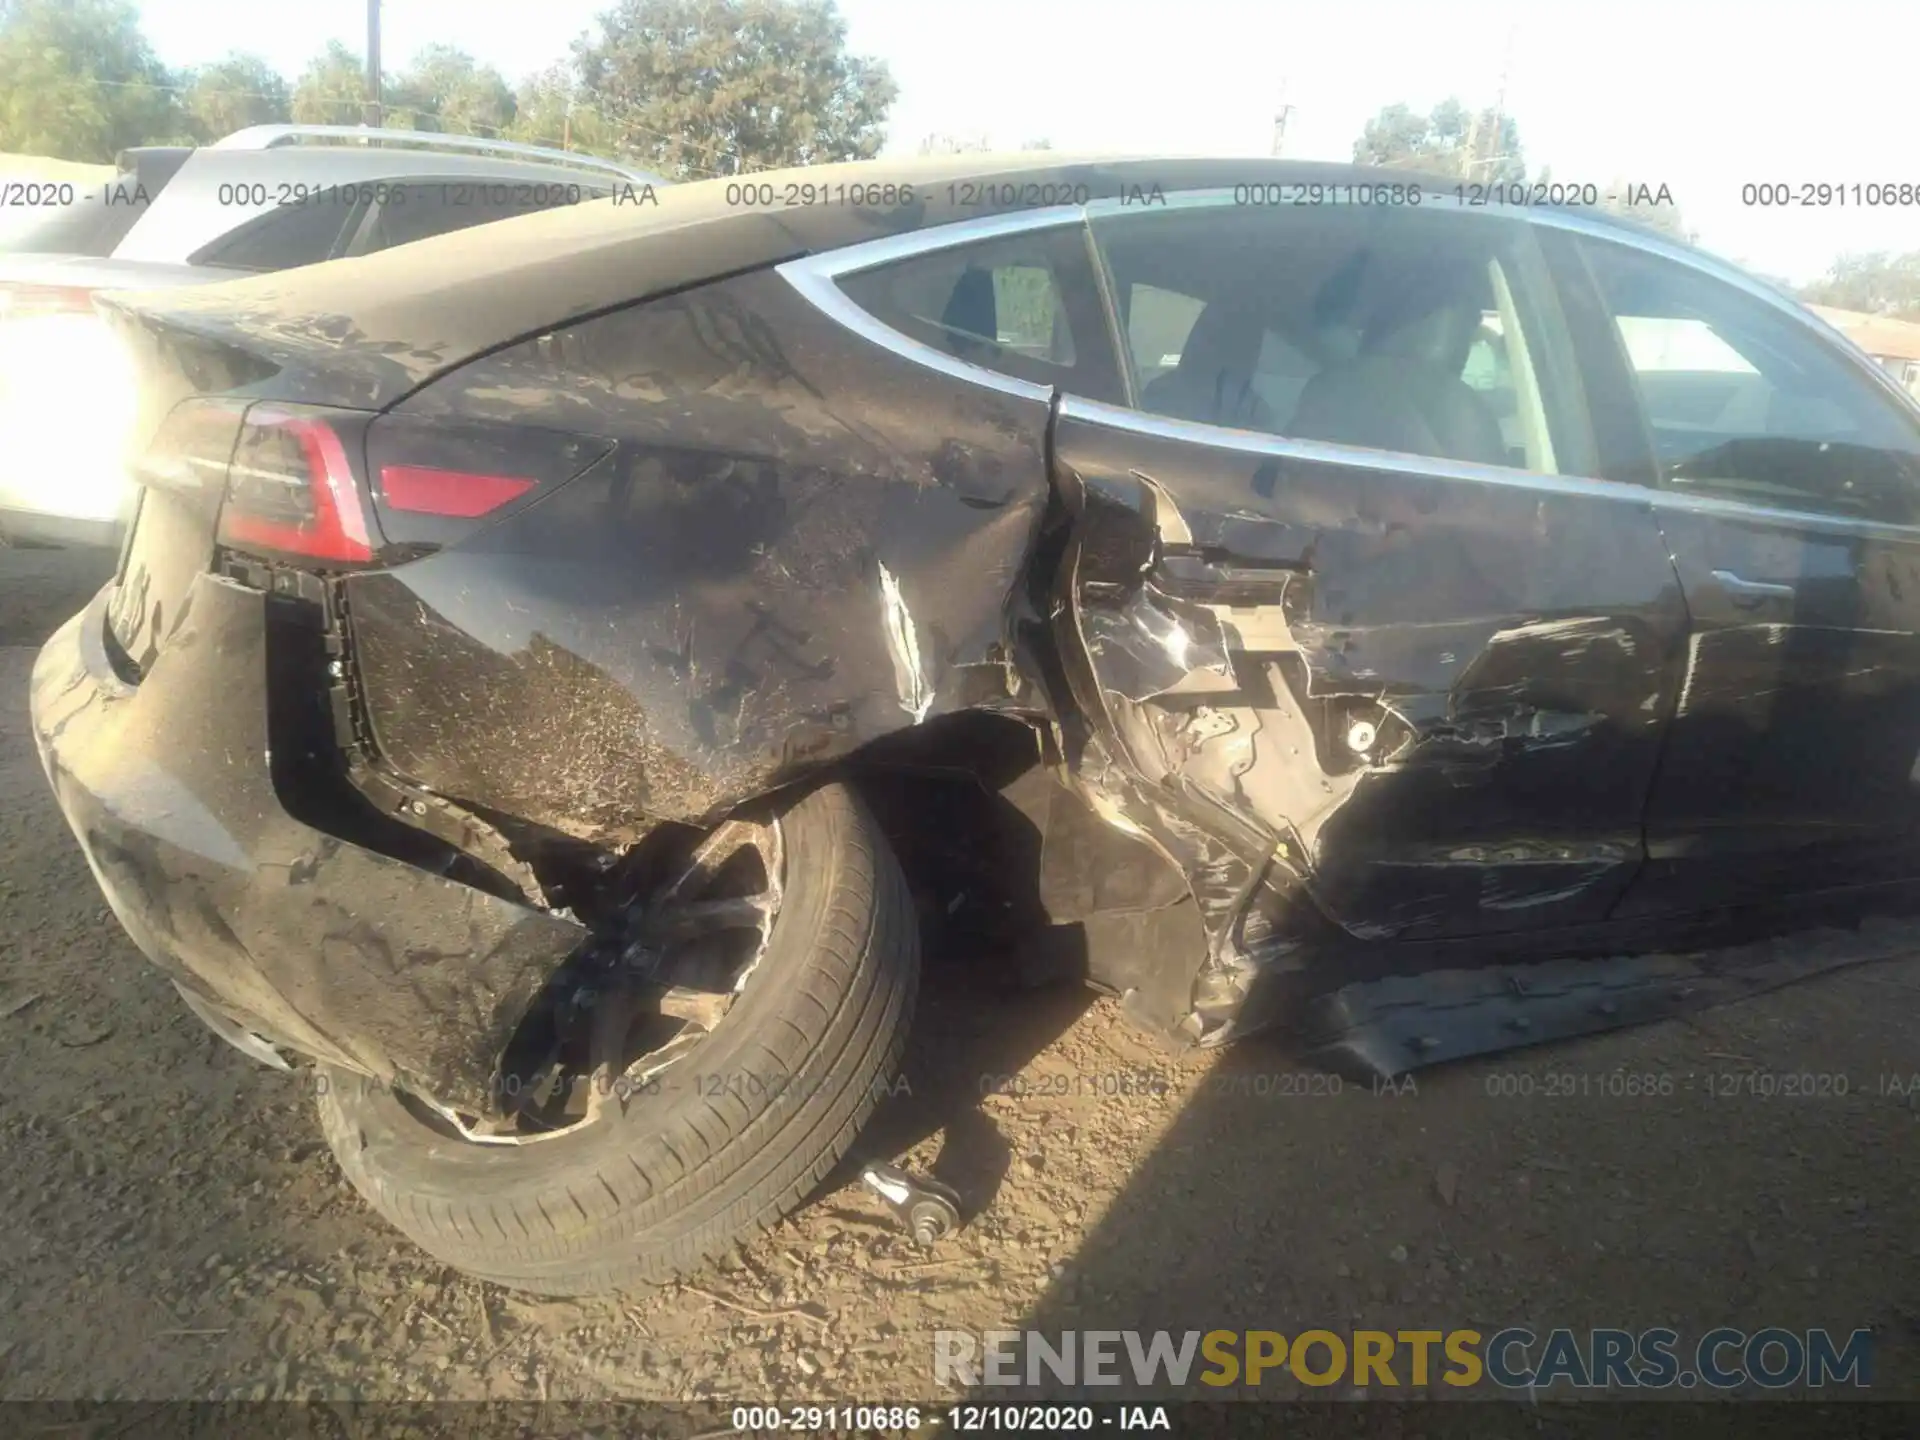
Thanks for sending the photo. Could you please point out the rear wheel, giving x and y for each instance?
(714, 1103)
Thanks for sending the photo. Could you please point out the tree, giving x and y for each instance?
(1649, 205)
(724, 86)
(332, 90)
(234, 93)
(1448, 140)
(545, 113)
(445, 90)
(1874, 281)
(942, 143)
(78, 81)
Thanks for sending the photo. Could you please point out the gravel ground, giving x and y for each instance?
(177, 1229)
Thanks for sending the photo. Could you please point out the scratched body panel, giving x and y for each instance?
(298, 935)
(1319, 716)
(796, 545)
(1442, 699)
(1791, 766)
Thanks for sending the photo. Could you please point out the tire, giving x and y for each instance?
(716, 1154)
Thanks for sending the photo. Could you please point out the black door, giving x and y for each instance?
(1376, 614)
(1790, 498)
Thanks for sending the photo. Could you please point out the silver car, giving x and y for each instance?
(267, 198)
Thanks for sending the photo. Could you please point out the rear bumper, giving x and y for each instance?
(308, 940)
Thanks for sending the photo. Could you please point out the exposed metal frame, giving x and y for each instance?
(816, 277)
(273, 137)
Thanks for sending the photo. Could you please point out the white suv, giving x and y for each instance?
(267, 198)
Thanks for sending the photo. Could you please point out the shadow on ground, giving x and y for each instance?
(1659, 1177)
(41, 586)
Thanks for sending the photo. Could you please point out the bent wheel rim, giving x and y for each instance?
(690, 949)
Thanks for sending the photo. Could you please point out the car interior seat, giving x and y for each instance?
(972, 315)
(1403, 390)
(1213, 383)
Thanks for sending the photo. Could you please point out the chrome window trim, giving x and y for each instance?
(1715, 268)
(817, 278)
(1820, 332)
(870, 254)
(821, 292)
(814, 276)
(1352, 457)
(1553, 217)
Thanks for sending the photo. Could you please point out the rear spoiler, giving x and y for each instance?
(152, 166)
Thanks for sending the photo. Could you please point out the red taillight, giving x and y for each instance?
(456, 494)
(436, 479)
(19, 301)
(290, 490)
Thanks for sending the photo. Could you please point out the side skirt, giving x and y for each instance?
(1379, 1029)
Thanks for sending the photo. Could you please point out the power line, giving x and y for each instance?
(710, 150)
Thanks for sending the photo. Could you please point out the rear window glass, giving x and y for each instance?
(421, 209)
(93, 223)
(281, 239)
(997, 303)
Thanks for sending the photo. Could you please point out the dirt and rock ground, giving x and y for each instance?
(175, 1227)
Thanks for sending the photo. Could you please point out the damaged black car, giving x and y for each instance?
(1419, 625)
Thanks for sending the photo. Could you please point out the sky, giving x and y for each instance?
(1701, 96)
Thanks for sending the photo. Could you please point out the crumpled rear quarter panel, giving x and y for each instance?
(798, 544)
(305, 938)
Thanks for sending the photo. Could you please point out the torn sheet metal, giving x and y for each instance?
(293, 935)
(903, 644)
(1397, 694)
(780, 560)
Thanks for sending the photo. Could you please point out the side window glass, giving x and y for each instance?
(1158, 323)
(1428, 335)
(1746, 404)
(1489, 370)
(1028, 315)
(1025, 305)
(284, 237)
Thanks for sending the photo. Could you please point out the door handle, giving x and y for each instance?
(1748, 593)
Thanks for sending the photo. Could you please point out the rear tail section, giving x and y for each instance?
(271, 491)
(289, 499)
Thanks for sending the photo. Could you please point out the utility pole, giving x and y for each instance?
(1280, 118)
(373, 63)
(1500, 100)
(1477, 137)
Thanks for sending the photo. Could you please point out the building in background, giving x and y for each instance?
(1895, 344)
